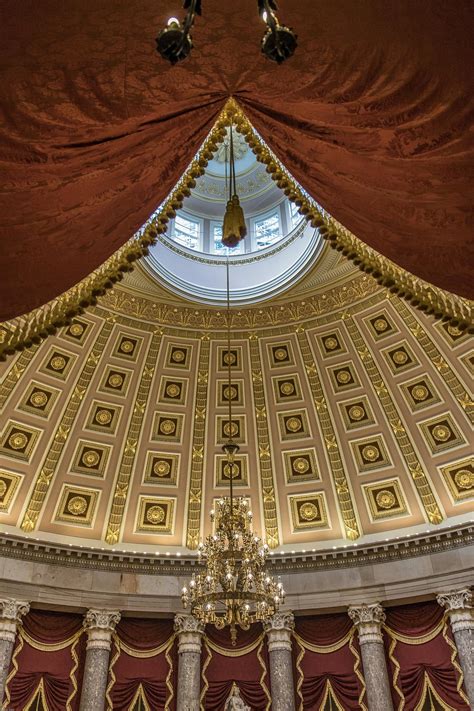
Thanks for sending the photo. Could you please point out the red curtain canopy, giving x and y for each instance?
(372, 116)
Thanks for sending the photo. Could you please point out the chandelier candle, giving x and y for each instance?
(234, 588)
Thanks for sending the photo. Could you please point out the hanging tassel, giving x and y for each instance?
(234, 228)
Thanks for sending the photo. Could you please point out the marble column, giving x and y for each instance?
(459, 605)
(190, 632)
(11, 612)
(279, 630)
(99, 625)
(368, 620)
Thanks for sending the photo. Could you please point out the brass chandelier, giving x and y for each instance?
(234, 588)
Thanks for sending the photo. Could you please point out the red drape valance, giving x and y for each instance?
(246, 664)
(421, 652)
(144, 656)
(327, 654)
(372, 115)
(50, 650)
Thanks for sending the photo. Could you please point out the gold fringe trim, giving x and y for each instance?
(236, 653)
(205, 683)
(14, 670)
(415, 640)
(49, 647)
(357, 671)
(140, 694)
(22, 331)
(72, 675)
(330, 690)
(39, 691)
(396, 673)
(264, 674)
(454, 659)
(113, 678)
(323, 649)
(140, 654)
(428, 685)
(299, 683)
(169, 685)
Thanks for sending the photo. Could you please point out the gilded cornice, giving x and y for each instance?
(350, 556)
(27, 329)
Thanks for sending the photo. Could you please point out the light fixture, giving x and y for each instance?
(234, 228)
(174, 41)
(234, 588)
(278, 42)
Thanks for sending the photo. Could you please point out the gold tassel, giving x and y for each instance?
(234, 228)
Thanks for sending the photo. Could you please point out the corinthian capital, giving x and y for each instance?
(11, 612)
(459, 605)
(456, 599)
(368, 619)
(99, 625)
(280, 621)
(187, 624)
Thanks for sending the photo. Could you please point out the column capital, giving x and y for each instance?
(459, 604)
(279, 629)
(190, 631)
(99, 625)
(11, 612)
(368, 619)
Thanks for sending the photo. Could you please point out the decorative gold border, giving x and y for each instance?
(377, 514)
(358, 424)
(167, 400)
(304, 433)
(294, 397)
(341, 387)
(157, 481)
(219, 482)
(364, 466)
(22, 330)
(300, 478)
(51, 461)
(415, 405)
(110, 429)
(297, 524)
(457, 495)
(82, 470)
(117, 392)
(12, 490)
(168, 523)
(400, 345)
(435, 447)
(176, 437)
(31, 444)
(341, 350)
(61, 516)
(358, 671)
(31, 409)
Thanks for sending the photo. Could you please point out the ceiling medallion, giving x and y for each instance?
(233, 588)
(174, 42)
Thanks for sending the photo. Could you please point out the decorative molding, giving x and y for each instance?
(279, 630)
(459, 605)
(11, 613)
(99, 625)
(368, 619)
(190, 632)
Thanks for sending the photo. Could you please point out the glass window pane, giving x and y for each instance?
(187, 232)
(295, 215)
(267, 231)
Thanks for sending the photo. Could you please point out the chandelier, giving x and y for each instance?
(174, 42)
(234, 588)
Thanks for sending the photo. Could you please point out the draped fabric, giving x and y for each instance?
(371, 115)
(246, 665)
(421, 652)
(50, 650)
(326, 655)
(144, 657)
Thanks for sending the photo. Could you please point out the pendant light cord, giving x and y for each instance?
(229, 381)
(232, 181)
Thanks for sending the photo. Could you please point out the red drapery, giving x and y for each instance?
(246, 664)
(50, 649)
(144, 655)
(372, 115)
(327, 653)
(419, 646)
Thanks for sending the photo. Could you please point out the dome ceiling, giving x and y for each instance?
(351, 409)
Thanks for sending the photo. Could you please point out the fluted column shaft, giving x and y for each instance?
(11, 612)
(368, 620)
(190, 632)
(279, 629)
(99, 625)
(460, 607)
